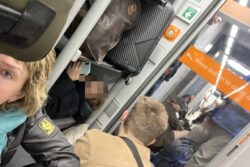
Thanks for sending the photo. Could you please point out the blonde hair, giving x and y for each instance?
(147, 120)
(35, 88)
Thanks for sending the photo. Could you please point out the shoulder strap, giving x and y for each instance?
(134, 150)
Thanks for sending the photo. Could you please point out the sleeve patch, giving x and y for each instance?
(47, 126)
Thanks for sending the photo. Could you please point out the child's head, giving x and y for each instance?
(24, 84)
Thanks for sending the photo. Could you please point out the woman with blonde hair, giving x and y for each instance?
(30, 29)
(23, 92)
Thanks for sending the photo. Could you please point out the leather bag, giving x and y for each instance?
(121, 15)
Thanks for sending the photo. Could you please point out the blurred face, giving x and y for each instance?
(13, 75)
(94, 89)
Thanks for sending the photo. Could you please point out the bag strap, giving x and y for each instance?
(134, 150)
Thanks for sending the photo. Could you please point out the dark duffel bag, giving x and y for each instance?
(121, 15)
(137, 44)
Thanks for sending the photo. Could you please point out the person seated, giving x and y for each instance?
(141, 126)
(221, 125)
(176, 128)
(70, 97)
(172, 148)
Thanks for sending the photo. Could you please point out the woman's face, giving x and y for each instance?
(13, 75)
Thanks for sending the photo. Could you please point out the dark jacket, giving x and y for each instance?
(230, 117)
(170, 71)
(174, 124)
(66, 99)
(43, 140)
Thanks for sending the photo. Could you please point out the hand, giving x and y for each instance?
(180, 134)
(74, 70)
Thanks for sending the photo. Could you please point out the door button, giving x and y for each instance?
(171, 33)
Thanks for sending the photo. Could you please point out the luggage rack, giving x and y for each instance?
(70, 47)
(78, 55)
(78, 37)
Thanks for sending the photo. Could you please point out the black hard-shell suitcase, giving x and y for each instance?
(137, 44)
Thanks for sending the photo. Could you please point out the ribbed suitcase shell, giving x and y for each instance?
(136, 45)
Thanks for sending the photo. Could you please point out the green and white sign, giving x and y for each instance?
(189, 13)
